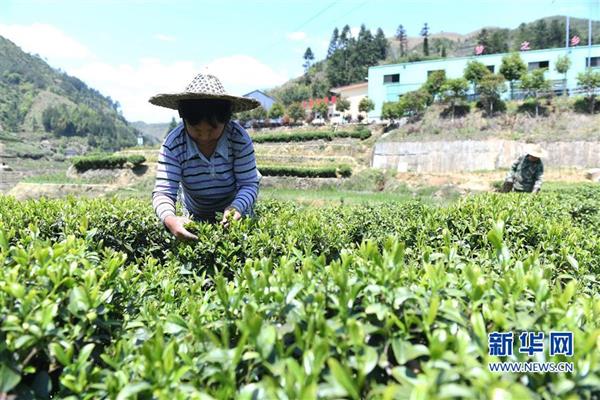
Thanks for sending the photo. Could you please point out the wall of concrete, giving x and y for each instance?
(478, 155)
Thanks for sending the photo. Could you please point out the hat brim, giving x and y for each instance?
(172, 100)
(538, 153)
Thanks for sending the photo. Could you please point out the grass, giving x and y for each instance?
(61, 178)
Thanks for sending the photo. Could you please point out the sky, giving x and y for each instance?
(133, 49)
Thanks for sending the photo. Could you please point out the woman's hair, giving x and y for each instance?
(212, 111)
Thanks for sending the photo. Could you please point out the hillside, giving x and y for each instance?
(542, 33)
(40, 103)
(153, 133)
(350, 57)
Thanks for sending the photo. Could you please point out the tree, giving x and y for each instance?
(259, 113)
(563, 63)
(556, 36)
(414, 103)
(277, 110)
(366, 105)
(342, 105)
(391, 110)
(589, 81)
(425, 35)
(321, 109)
(308, 58)
(333, 43)
(434, 83)
(475, 72)
(454, 91)
(512, 68)
(540, 34)
(345, 37)
(490, 87)
(296, 112)
(535, 83)
(381, 44)
(294, 93)
(401, 37)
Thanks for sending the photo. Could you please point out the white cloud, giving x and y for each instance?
(133, 85)
(241, 74)
(46, 40)
(164, 38)
(296, 36)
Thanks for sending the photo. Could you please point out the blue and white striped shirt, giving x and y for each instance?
(228, 178)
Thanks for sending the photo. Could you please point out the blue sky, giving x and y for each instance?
(132, 49)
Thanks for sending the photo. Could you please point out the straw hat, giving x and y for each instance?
(536, 151)
(204, 87)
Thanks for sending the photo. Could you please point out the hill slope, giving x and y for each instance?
(37, 100)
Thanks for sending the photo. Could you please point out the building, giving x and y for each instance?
(354, 94)
(265, 100)
(388, 82)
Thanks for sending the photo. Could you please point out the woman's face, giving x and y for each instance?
(204, 132)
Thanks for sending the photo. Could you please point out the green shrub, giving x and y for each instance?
(307, 172)
(136, 160)
(361, 133)
(98, 162)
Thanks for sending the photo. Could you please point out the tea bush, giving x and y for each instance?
(389, 301)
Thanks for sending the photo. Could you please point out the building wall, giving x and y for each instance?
(413, 75)
(266, 101)
(354, 96)
(477, 155)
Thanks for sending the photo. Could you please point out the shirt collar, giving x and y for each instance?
(222, 145)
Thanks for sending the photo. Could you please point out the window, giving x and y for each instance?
(393, 78)
(593, 62)
(537, 65)
(491, 68)
(442, 71)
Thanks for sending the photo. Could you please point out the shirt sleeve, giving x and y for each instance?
(513, 170)
(168, 177)
(246, 173)
(539, 177)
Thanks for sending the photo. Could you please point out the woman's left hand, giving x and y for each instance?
(227, 215)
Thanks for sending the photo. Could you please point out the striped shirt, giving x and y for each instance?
(208, 185)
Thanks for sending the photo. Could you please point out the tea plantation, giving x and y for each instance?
(391, 301)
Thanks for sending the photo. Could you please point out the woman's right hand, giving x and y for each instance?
(176, 224)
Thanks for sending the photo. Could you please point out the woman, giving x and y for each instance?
(208, 155)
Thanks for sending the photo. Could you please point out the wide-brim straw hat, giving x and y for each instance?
(204, 87)
(536, 151)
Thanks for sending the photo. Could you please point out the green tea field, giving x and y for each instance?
(354, 301)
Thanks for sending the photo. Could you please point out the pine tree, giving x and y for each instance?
(345, 37)
(540, 34)
(381, 44)
(333, 43)
(308, 58)
(425, 34)
(401, 37)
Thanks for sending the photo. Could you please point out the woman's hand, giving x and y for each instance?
(176, 226)
(229, 213)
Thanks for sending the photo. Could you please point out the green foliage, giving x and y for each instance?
(454, 91)
(474, 72)
(98, 301)
(101, 161)
(259, 113)
(136, 160)
(414, 103)
(589, 81)
(361, 133)
(494, 41)
(535, 84)
(563, 63)
(26, 78)
(321, 109)
(296, 112)
(490, 88)
(276, 111)
(512, 68)
(434, 83)
(366, 105)
(343, 171)
(391, 110)
(342, 104)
